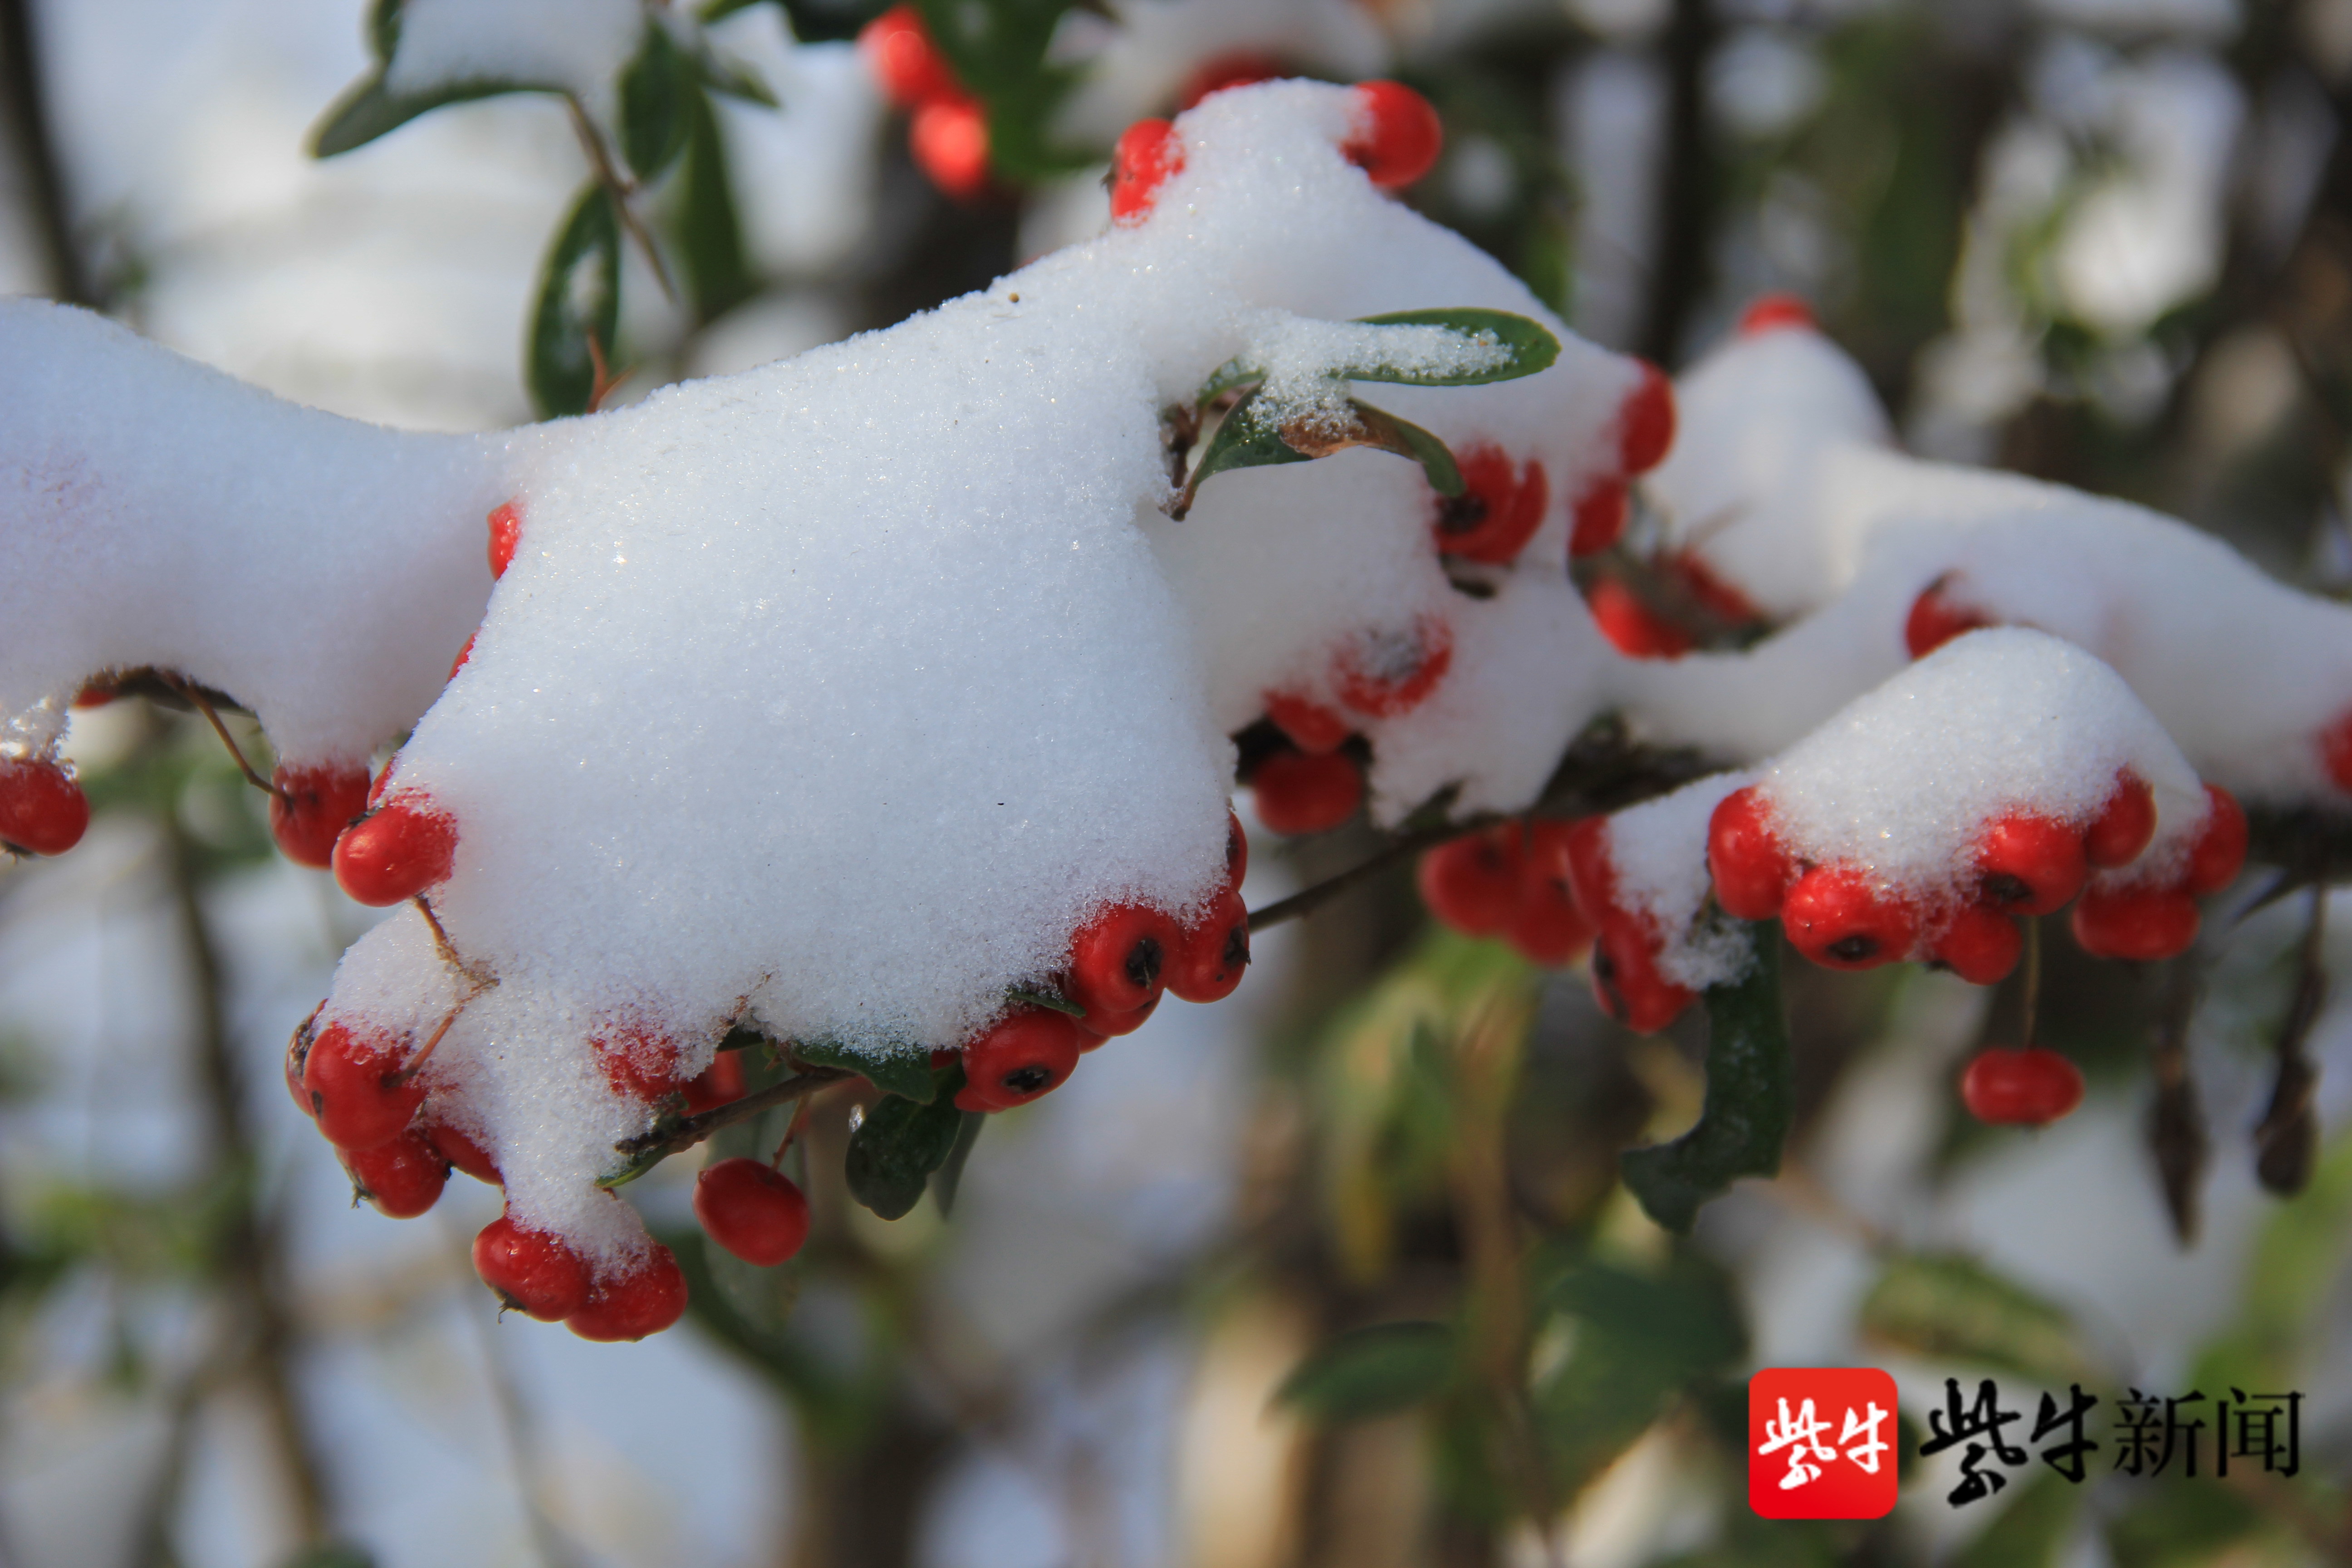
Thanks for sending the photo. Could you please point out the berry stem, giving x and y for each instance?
(482, 978)
(800, 1119)
(202, 705)
(647, 1150)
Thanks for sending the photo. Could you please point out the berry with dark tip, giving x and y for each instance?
(464, 1153)
(1472, 883)
(1626, 979)
(2031, 1088)
(1117, 959)
(1214, 952)
(533, 1271)
(1097, 1028)
(42, 810)
(402, 1178)
(2029, 865)
(1546, 926)
(1841, 918)
(1499, 509)
(754, 1211)
(1744, 855)
(1023, 1054)
(646, 1300)
(313, 806)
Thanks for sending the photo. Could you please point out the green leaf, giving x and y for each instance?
(1241, 441)
(1750, 1091)
(997, 51)
(1956, 1309)
(709, 232)
(384, 29)
(1532, 347)
(369, 108)
(1043, 999)
(658, 90)
(1406, 439)
(1373, 1372)
(907, 1074)
(1247, 438)
(949, 1178)
(579, 302)
(895, 1150)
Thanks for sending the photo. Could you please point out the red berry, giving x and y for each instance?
(1311, 727)
(1937, 618)
(1022, 1056)
(1632, 626)
(646, 1301)
(466, 1154)
(904, 64)
(2220, 852)
(298, 1056)
(1394, 135)
(1546, 927)
(383, 780)
(311, 808)
(1598, 518)
(42, 810)
(949, 140)
(402, 1178)
(2029, 865)
(463, 655)
(1715, 596)
(2135, 922)
(1841, 919)
(1116, 959)
(505, 532)
(1981, 945)
(1234, 68)
(1472, 883)
(358, 1087)
(2124, 824)
(2336, 751)
(2021, 1088)
(1591, 876)
(533, 1271)
(1626, 979)
(1149, 152)
(97, 694)
(1236, 851)
(753, 1212)
(396, 851)
(1097, 1028)
(721, 1083)
(1299, 794)
(1209, 960)
(638, 1060)
(1646, 422)
(1382, 674)
(1744, 855)
(1771, 313)
(1498, 511)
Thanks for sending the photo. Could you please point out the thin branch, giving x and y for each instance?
(202, 704)
(23, 105)
(611, 178)
(650, 1149)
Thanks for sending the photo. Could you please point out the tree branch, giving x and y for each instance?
(23, 107)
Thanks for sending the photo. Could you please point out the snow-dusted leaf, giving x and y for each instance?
(1249, 439)
(370, 108)
(579, 304)
(895, 1150)
(1530, 348)
(1750, 1092)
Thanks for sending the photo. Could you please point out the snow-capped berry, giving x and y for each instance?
(2123, 826)
(2219, 851)
(533, 1271)
(463, 655)
(2030, 1087)
(1310, 726)
(1209, 961)
(1840, 917)
(1382, 674)
(646, 1300)
(1022, 1056)
(1394, 134)
(1546, 925)
(1936, 618)
(2144, 923)
(505, 532)
(1118, 957)
(2029, 865)
(313, 806)
(637, 1061)
(1745, 856)
(360, 1089)
(949, 140)
(1148, 152)
(1981, 945)
(402, 1178)
(1500, 507)
(396, 851)
(1627, 980)
(1234, 68)
(464, 1153)
(1472, 883)
(1598, 519)
(1300, 794)
(1771, 313)
(1632, 626)
(754, 1211)
(1646, 422)
(721, 1083)
(42, 810)
(903, 60)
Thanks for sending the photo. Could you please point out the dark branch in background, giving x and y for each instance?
(2176, 1123)
(1685, 241)
(23, 106)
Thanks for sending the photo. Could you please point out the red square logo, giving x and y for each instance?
(1820, 1443)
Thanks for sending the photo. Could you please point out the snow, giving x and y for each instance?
(1658, 850)
(577, 47)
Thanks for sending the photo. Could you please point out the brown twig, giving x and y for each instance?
(622, 189)
(2286, 1140)
(2176, 1126)
(197, 698)
(23, 106)
(684, 1135)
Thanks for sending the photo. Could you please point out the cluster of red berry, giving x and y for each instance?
(1313, 780)
(1510, 881)
(1394, 136)
(948, 133)
(1120, 963)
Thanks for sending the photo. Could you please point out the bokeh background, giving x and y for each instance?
(2107, 242)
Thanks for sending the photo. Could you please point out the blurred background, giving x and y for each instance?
(2107, 242)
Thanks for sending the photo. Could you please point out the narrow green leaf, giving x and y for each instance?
(1532, 347)
(384, 29)
(1248, 439)
(907, 1074)
(579, 302)
(369, 108)
(657, 89)
(1750, 1090)
(708, 231)
(949, 1178)
(1229, 376)
(1240, 441)
(1956, 1309)
(895, 1150)
(1373, 1372)
(1406, 439)
(1043, 999)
